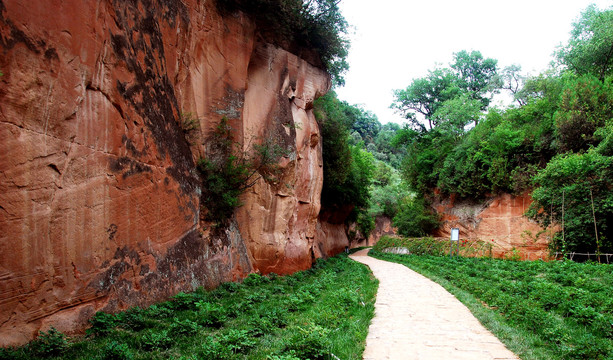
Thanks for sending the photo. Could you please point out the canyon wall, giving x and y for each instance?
(100, 202)
(497, 220)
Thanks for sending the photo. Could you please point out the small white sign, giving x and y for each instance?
(455, 234)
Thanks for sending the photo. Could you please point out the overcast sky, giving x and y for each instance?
(395, 41)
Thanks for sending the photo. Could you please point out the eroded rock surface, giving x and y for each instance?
(99, 200)
(498, 220)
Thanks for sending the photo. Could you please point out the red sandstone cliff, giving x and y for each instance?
(99, 199)
(498, 220)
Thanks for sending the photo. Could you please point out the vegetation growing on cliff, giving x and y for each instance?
(557, 141)
(301, 26)
(308, 315)
(228, 170)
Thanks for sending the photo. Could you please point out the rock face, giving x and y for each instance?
(498, 220)
(99, 201)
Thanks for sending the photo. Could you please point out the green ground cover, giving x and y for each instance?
(319, 313)
(540, 310)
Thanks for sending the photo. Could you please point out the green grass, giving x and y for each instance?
(436, 246)
(540, 310)
(311, 314)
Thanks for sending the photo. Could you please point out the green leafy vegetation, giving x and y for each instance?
(556, 144)
(348, 169)
(228, 170)
(435, 246)
(540, 310)
(309, 28)
(311, 314)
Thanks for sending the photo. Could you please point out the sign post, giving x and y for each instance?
(455, 238)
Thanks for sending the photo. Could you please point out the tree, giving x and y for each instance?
(450, 96)
(564, 192)
(585, 105)
(590, 47)
(424, 96)
(455, 114)
(476, 76)
(364, 122)
(512, 80)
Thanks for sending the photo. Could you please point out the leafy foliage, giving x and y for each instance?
(228, 170)
(49, 343)
(414, 218)
(567, 185)
(434, 246)
(348, 169)
(585, 105)
(590, 48)
(451, 97)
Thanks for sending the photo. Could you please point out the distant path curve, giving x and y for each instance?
(417, 319)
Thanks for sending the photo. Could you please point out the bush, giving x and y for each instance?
(254, 279)
(210, 314)
(414, 219)
(228, 170)
(578, 178)
(184, 327)
(237, 341)
(49, 343)
(134, 319)
(102, 323)
(116, 351)
(212, 349)
(156, 339)
(310, 343)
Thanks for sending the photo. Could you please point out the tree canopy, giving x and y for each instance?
(453, 97)
(590, 48)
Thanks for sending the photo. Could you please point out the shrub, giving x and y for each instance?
(183, 301)
(576, 178)
(414, 218)
(156, 339)
(238, 341)
(49, 343)
(254, 279)
(228, 170)
(184, 327)
(302, 27)
(116, 351)
(133, 319)
(310, 343)
(102, 323)
(211, 314)
(212, 349)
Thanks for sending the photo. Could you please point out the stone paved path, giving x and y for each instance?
(416, 319)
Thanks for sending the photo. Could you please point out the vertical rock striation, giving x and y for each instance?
(99, 199)
(499, 220)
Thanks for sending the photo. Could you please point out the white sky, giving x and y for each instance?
(396, 41)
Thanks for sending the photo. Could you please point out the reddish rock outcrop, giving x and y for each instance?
(499, 220)
(99, 199)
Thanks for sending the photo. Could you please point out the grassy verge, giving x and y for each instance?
(436, 246)
(540, 310)
(312, 314)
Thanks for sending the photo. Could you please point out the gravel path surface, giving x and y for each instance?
(415, 318)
